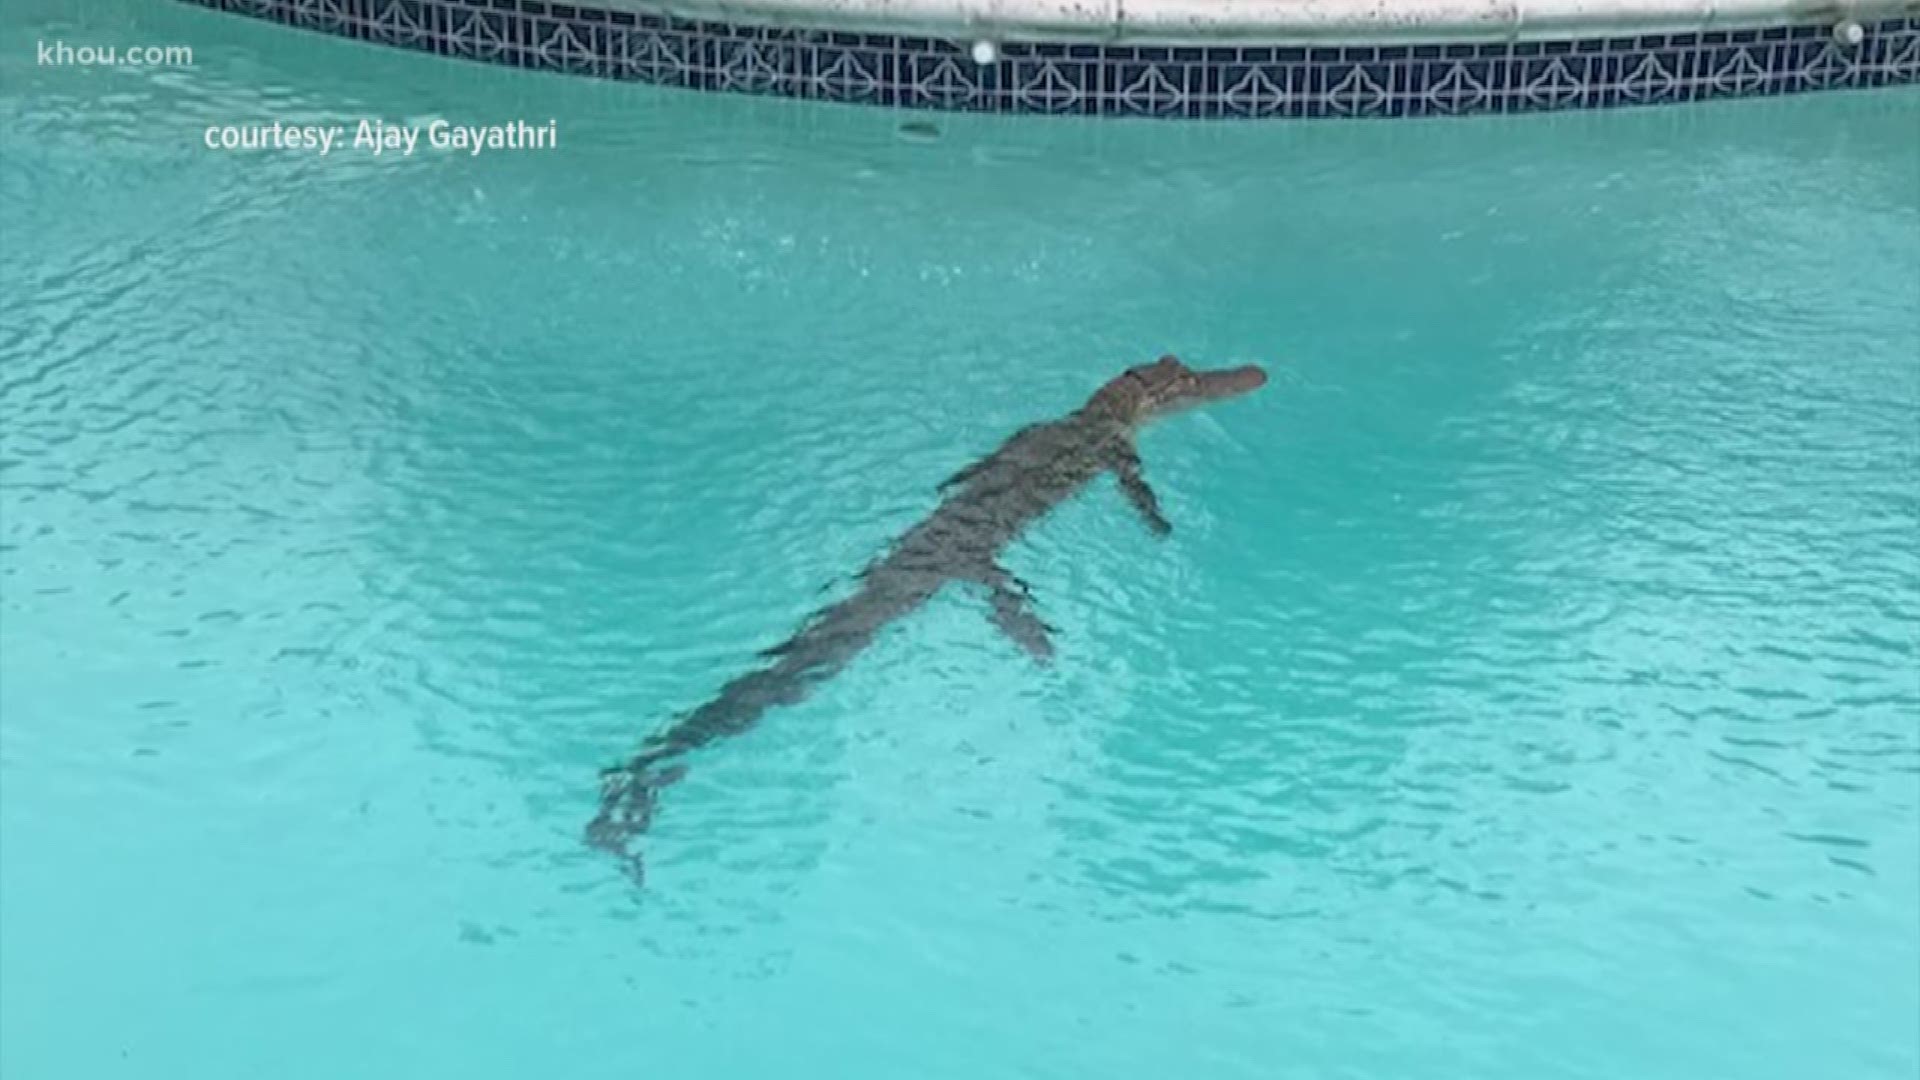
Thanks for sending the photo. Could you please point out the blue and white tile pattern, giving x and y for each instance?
(1200, 82)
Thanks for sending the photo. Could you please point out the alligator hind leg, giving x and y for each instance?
(1013, 613)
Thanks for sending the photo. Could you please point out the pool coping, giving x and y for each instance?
(1290, 22)
(1437, 69)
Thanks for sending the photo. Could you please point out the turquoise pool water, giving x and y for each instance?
(1528, 687)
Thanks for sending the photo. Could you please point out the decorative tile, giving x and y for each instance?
(1549, 83)
(1146, 90)
(1735, 71)
(1902, 62)
(328, 15)
(1356, 90)
(1258, 91)
(406, 24)
(1195, 82)
(563, 46)
(943, 82)
(655, 56)
(1051, 86)
(1833, 65)
(852, 75)
(478, 34)
(752, 67)
(1462, 86)
(1650, 79)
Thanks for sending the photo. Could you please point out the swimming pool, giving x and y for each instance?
(1526, 688)
(1167, 59)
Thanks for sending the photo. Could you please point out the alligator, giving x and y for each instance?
(984, 508)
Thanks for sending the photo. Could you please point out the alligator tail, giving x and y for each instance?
(628, 795)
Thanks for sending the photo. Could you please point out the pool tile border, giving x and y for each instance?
(1235, 81)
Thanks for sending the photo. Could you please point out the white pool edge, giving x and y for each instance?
(1277, 22)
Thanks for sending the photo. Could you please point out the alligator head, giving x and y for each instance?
(1167, 385)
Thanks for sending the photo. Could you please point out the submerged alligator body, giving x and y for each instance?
(984, 508)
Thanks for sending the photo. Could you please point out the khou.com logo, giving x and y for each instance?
(61, 54)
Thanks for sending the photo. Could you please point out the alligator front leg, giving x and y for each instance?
(1126, 467)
